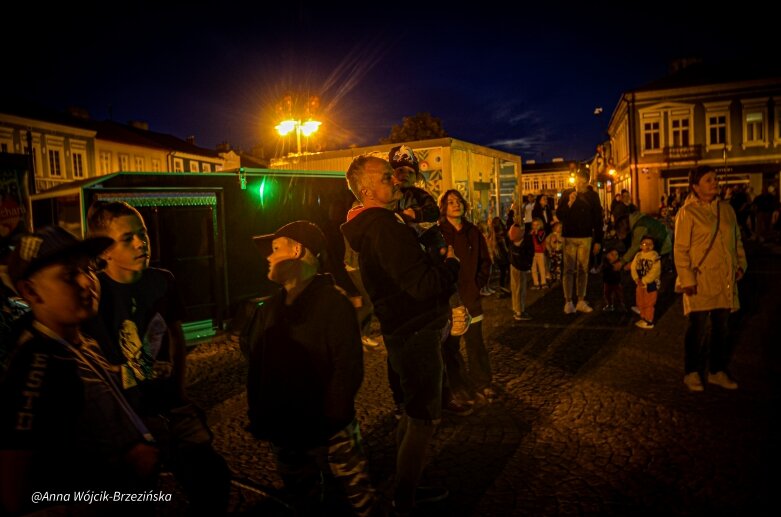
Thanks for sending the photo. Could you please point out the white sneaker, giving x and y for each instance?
(644, 324)
(569, 308)
(461, 321)
(693, 382)
(583, 307)
(636, 309)
(723, 380)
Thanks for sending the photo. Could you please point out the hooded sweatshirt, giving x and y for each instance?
(471, 249)
(409, 291)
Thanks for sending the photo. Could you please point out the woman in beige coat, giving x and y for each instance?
(708, 278)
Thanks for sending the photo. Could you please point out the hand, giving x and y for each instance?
(409, 213)
(451, 253)
(739, 274)
(690, 290)
(357, 301)
(572, 197)
(144, 459)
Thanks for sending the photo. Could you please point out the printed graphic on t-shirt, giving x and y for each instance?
(138, 366)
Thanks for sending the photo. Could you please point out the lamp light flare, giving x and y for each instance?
(286, 126)
(309, 127)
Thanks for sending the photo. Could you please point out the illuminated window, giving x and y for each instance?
(140, 163)
(755, 127)
(207, 167)
(105, 162)
(124, 162)
(156, 165)
(178, 165)
(78, 165)
(194, 166)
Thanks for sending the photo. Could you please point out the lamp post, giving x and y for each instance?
(307, 128)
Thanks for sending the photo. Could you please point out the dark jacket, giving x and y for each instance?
(545, 214)
(583, 218)
(472, 250)
(421, 202)
(306, 365)
(409, 291)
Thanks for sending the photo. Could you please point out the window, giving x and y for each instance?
(777, 102)
(4, 147)
(194, 166)
(178, 165)
(651, 136)
(156, 165)
(755, 123)
(139, 163)
(717, 130)
(55, 167)
(680, 129)
(536, 184)
(124, 162)
(78, 165)
(207, 167)
(105, 162)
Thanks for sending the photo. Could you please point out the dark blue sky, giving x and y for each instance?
(524, 79)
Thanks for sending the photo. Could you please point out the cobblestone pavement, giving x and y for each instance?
(593, 417)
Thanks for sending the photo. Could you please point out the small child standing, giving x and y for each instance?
(539, 268)
(521, 257)
(646, 269)
(611, 279)
(554, 244)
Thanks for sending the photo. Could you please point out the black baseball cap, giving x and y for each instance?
(306, 233)
(51, 245)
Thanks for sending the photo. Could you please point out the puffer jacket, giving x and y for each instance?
(715, 281)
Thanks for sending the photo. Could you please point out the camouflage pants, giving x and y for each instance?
(342, 457)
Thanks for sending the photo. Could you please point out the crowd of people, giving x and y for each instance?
(93, 392)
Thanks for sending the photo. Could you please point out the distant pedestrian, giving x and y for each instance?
(710, 261)
(611, 281)
(646, 270)
(522, 255)
(540, 276)
(581, 215)
(554, 245)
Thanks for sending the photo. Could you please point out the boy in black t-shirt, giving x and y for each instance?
(140, 309)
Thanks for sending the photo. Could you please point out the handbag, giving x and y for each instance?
(678, 287)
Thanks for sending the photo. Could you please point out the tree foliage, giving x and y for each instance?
(422, 126)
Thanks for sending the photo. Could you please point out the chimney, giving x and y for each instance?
(190, 139)
(139, 124)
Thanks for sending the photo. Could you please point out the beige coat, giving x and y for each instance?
(694, 227)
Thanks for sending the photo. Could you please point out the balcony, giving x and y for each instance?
(683, 153)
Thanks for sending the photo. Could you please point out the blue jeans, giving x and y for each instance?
(576, 255)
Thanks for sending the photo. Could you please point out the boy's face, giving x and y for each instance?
(646, 245)
(404, 176)
(536, 225)
(130, 251)
(454, 206)
(281, 262)
(66, 293)
(612, 256)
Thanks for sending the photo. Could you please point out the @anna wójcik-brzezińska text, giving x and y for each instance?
(101, 496)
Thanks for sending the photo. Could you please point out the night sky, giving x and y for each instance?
(525, 79)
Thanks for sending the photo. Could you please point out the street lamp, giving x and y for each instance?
(306, 128)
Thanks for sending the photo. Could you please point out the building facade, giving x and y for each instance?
(65, 148)
(726, 117)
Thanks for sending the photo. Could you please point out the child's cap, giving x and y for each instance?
(50, 245)
(402, 156)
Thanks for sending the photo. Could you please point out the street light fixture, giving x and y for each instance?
(306, 128)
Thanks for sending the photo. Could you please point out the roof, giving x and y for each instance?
(702, 73)
(536, 168)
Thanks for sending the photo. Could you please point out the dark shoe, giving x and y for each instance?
(525, 316)
(454, 407)
(430, 494)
